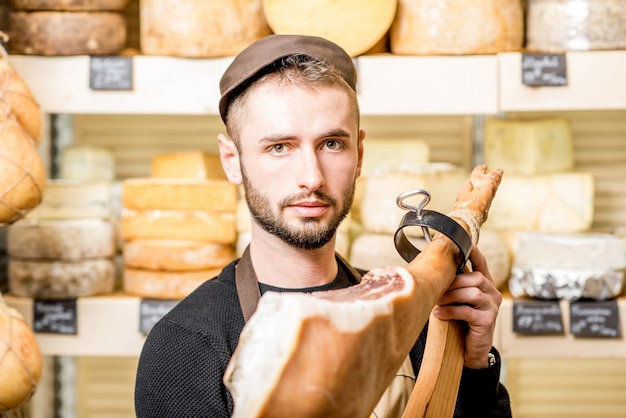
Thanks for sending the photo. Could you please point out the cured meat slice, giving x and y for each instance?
(332, 354)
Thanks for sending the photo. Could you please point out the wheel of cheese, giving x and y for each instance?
(176, 255)
(165, 285)
(61, 279)
(23, 178)
(20, 100)
(69, 5)
(356, 26)
(187, 164)
(218, 227)
(496, 251)
(68, 239)
(197, 29)
(87, 163)
(179, 194)
(66, 33)
(71, 199)
(425, 27)
(21, 363)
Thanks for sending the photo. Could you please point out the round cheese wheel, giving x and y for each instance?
(190, 28)
(23, 178)
(66, 33)
(70, 239)
(20, 101)
(423, 27)
(71, 199)
(355, 25)
(165, 285)
(69, 5)
(21, 363)
(61, 279)
(176, 255)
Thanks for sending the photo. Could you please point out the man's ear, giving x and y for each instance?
(360, 151)
(230, 159)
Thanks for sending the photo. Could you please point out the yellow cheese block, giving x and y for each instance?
(393, 152)
(88, 163)
(530, 146)
(70, 199)
(188, 164)
(218, 227)
(559, 202)
(179, 194)
(176, 255)
(164, 285)
(61, 279)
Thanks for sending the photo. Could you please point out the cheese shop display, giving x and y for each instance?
(63, 33)
(87, 163)
(569, 266)
(21, 362)
(70, 199)
(529, 146)
(558, 202)
(196, 29)
(575, 25)
(433, 27)
(357, 26)
(187, 164)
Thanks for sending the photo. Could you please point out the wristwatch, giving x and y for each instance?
(492, 359)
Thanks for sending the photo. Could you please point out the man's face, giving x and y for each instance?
(300, 156)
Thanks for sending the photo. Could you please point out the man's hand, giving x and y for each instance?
(473, 298)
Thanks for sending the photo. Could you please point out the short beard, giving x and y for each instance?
(312, 234)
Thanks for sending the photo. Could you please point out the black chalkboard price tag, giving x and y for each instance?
(537, 317)
(596, 319)
(151, 310)
(55, 316)
(111, 73)
(544, 69)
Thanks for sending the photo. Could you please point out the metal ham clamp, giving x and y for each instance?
(437, 384)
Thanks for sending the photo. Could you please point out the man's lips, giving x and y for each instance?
(310, 209)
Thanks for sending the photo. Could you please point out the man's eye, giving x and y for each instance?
(333, 145)
(279, 148)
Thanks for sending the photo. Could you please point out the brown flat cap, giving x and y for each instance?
(252, 61)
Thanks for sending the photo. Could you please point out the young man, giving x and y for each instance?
(294, 142)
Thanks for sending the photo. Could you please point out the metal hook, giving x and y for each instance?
(417, 209)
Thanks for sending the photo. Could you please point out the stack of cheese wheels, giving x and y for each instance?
(197, 29)
(178, 229)
(358, 27)
(21, 363)
(430, 27)
(65, 247)
(23, 178)
(61, 27)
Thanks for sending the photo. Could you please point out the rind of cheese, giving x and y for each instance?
(529, 147)
(165, 285)
(218, 227)
(88, 163)
(188, 164)
(176, 255)
(424, 27)
(370, 250)
(210, 29)
(378, 209)
(559, 202)
(40, 33)
(61, 279)
(69, 5)
(179, 194)
(71, 199)
(356, 26)
(67, 239)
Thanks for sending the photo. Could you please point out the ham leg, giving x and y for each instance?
(332, 354)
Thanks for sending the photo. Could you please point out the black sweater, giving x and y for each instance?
(186, 353)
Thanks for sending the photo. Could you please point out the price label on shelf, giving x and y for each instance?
(111, 73)
(151, 311)
(544, 69)
(55, 316)
(537, 317)
(599, 319)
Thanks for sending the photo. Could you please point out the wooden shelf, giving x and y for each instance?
(388, 85)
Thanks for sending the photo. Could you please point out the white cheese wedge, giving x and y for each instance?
(87, 163)
(188, 164)
(71, 199)
(62, 239)
(61, 279)
(529, 146)
(164, 284)
(559, 202)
